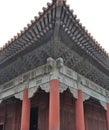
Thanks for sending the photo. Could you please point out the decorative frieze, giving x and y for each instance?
(54, 69)
(89, 84)
(68, 81)
(7, 85)
(45, 87)
(32, 91)
(93, 93)
(64, 87)
(68, 72)
(26, 77)
(19, 95)
(86, 96)
(104, 104)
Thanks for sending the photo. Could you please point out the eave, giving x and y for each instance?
(46, 22)
(34, 32)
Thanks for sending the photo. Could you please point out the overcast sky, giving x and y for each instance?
(93, 14)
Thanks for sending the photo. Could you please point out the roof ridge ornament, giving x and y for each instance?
(58, 2)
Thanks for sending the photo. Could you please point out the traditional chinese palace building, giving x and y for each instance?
(54, 76)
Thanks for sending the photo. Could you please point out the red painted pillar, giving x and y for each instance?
(107, 116)
(25, 117)
(54, 105)
(80, 124)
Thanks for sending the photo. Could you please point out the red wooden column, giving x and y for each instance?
(80, 124)
(25, 117)
(54, 105)
(107, 116)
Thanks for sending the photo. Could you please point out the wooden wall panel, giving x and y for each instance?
(67, 111)
(95, 117)
(2, 114)
(67, 119)
(9, 123)
(17, 121)
(41, 101)
(43, 118)
(9, 115)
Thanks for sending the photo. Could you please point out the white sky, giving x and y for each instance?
(93, 14)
